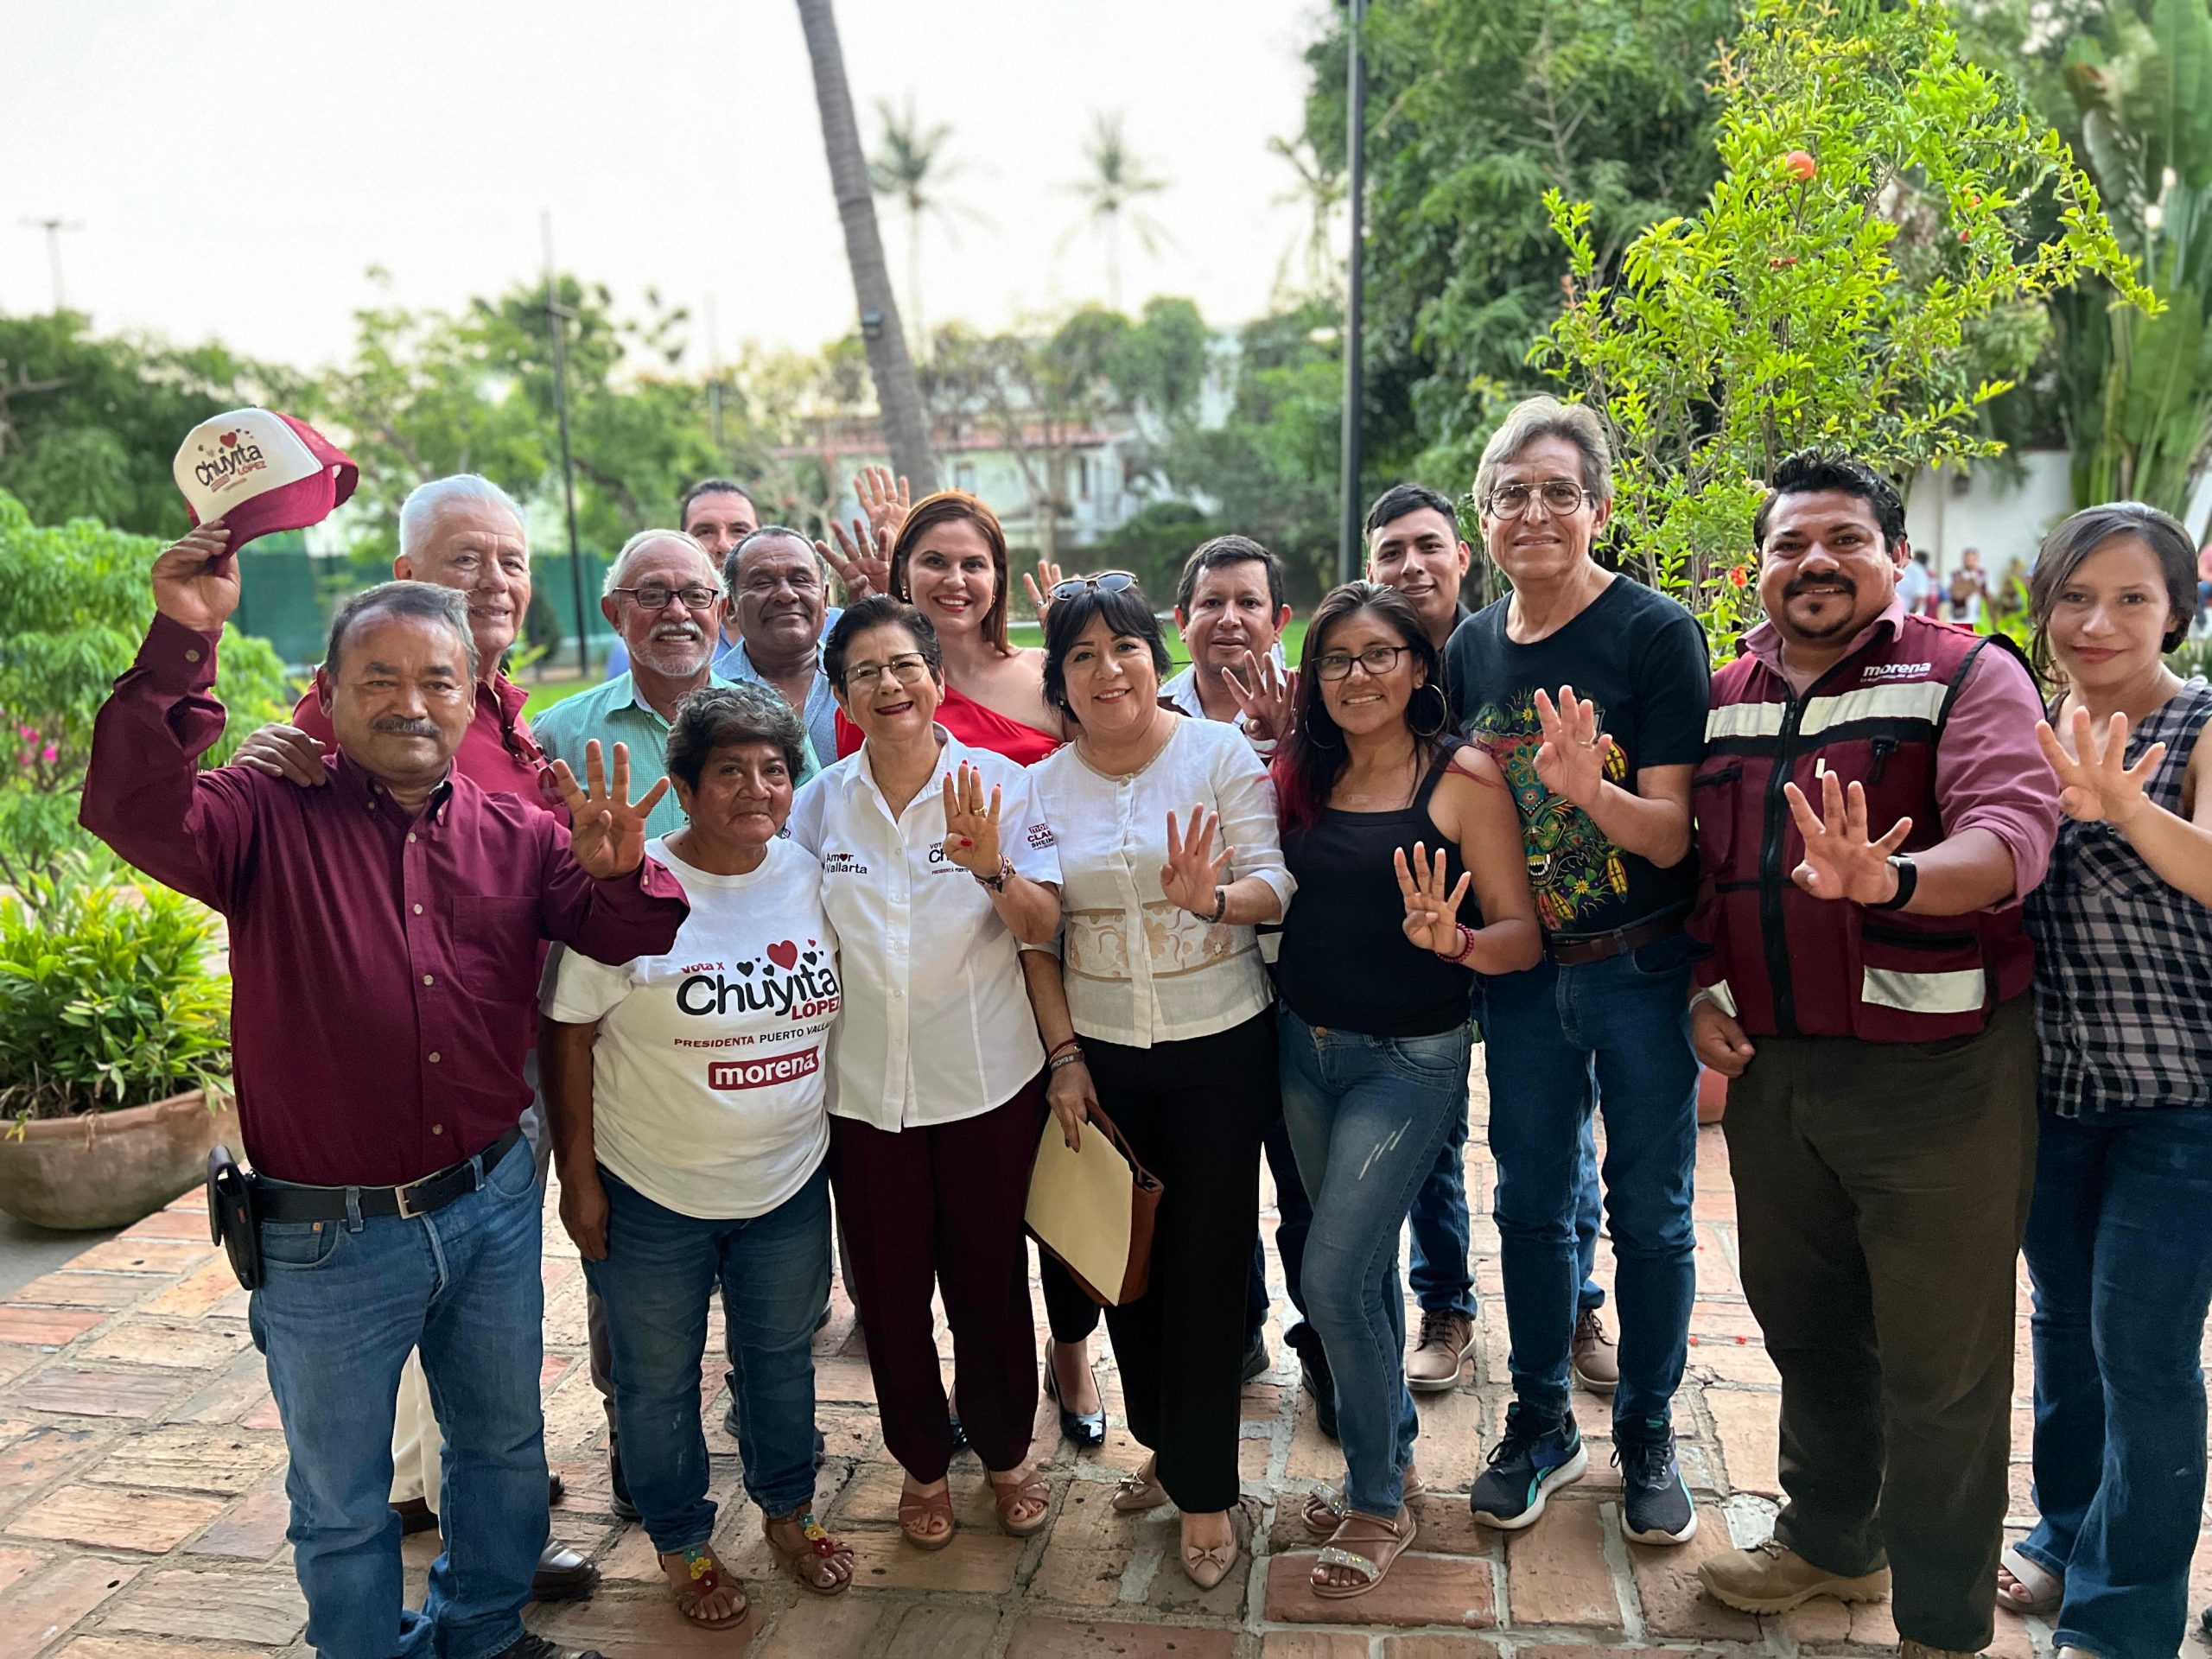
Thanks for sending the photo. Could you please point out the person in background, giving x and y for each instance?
(1372, 1017)
(2119, 1233)
(465, 533)
(1915, 583)
(380, 1098)
(1867, 996)
(1602, 778)
(1414, 545)
(1169, 859)
(1230, 610)
(2204, 586)
(942, 868)
(718, 515)
(1967, 591)
(687, 1106)
(778, 599)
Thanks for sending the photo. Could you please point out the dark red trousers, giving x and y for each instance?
(940, 1209)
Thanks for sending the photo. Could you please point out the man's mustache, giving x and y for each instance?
(1834, 579)
(399, 725)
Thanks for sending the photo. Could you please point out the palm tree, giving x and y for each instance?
(1117, 182)
(910, 169)
(906, 427)
(1321, 192)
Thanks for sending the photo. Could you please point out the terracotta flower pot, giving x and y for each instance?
(109, 1169)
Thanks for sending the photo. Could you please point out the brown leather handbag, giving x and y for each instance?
(1093, 1210)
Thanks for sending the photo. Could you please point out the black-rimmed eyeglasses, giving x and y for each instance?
(655, 595)
(1377, 660)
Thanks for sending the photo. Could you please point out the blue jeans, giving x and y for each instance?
(2120, 1250)
(1442, 1279)
(1622, 1025)
(343, 1305)
(1366, 1115)
(658, 1277)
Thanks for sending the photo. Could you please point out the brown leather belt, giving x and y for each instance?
(1597, 947)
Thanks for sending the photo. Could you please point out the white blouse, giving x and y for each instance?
(1141, 969)
(936, 1025)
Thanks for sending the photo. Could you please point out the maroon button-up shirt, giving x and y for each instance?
(383, 967)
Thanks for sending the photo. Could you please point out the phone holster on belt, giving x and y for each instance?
(233, 1219)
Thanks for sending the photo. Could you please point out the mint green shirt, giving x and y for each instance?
(615, 713)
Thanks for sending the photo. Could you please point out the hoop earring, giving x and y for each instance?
(1313, 734)
(1443, 713)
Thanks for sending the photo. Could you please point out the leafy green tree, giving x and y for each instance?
(1868, 222)
(90, 424)
(1475, 108)
(74, 606)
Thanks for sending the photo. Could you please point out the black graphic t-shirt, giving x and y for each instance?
(1640, 657)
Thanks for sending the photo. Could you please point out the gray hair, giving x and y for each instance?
(645, 538)
(1534, 419)
(419, 512)
(417, 599)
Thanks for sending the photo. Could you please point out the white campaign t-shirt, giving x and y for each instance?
(709, 1073)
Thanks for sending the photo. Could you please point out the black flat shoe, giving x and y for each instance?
(1086, 1428)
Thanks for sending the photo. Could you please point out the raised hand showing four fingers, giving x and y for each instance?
(1192, 874)
(2095, 782)
(971, 828)
(607, 827)
(886, 503)
(1432, 911)
(1840, 861)
(1040, 586)
(1571, 760)
(1266, 695)
(862, 560)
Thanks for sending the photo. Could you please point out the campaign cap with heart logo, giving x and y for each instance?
(259, 471)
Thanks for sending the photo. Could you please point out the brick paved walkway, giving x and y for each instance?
(142, 1514)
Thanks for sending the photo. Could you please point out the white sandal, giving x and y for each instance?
(2046, 1590)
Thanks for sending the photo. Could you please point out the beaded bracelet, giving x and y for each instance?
(1467, 946)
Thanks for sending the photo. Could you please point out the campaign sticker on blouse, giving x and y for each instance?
(259, 471)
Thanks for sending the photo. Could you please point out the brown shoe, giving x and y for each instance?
(1446, 1339)
(1597, 1362)
(1769, 1578)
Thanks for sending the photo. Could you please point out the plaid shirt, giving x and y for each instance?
(2123, 958)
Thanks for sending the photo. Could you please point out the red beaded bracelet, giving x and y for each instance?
(1467, 945)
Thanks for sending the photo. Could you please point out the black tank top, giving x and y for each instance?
(1345, 960)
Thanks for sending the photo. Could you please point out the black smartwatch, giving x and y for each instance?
(1908, 878)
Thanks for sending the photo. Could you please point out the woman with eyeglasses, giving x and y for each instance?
(948, 557)
(936, 867)
(1389, 823)
(1169, 859)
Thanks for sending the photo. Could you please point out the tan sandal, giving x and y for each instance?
(1365, 1544)
(696, 1574)
(818, 1563)
(1325, 1510)
(1140, 1491)
(916, 1512)
(1019, 1488)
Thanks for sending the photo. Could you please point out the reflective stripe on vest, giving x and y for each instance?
(1918, 700)
(1956, 993)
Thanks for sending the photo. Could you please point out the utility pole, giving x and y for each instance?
(557, 325)
(1349, 543)
(54, 227)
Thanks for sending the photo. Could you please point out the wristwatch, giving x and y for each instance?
(1908, 878)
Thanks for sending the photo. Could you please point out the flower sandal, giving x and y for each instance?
(817, 1562)
(1365, 1544)
(1325, 1510)
(1140, 1491)
(697, 1577)
(917, 1511)
(1019, 1489)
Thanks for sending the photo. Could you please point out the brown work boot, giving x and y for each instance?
(1597, 1362)
(1446, 1339)
(1769, 1578)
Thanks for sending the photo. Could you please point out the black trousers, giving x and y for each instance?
(1194, 1113)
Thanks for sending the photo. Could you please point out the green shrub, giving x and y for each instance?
(74, 604)
(107, 996)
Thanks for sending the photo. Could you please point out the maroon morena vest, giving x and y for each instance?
(1799, 966)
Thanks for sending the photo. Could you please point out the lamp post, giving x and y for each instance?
(556, 326)
(1349, 540)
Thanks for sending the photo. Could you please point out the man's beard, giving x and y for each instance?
(674, 659)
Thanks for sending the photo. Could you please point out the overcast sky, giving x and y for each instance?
(237, 168)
